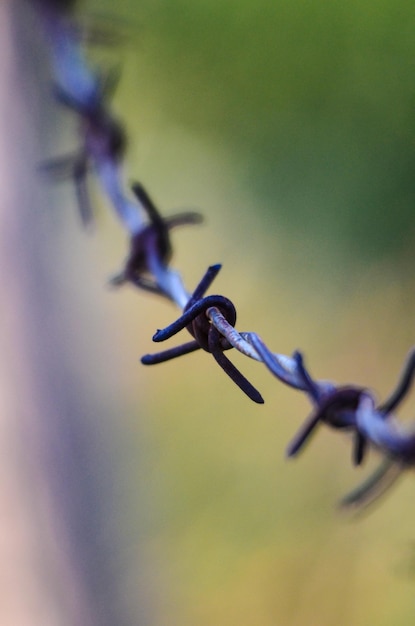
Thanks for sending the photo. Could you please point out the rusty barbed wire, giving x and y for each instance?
(211, 319)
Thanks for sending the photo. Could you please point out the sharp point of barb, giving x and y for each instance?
(291, 450)
(147, 359)
(258, 398)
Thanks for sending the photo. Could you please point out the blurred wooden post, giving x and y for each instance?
(58, 547)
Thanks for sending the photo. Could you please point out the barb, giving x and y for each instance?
(151, 249)
(210, 320)
(196, 320)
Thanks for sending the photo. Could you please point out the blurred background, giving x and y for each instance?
(291, 126)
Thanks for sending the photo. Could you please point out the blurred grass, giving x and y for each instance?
(291, 126)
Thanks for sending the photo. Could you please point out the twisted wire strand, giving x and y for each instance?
(210, 320)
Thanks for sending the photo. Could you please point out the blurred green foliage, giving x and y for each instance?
(316, 99)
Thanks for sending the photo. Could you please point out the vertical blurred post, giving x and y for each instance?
(59, 551)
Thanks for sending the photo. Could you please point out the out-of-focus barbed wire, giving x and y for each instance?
(211, 319)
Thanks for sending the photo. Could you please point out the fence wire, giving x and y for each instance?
(209, 319)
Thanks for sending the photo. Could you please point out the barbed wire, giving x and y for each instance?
(211, 319)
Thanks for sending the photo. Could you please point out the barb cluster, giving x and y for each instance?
(209, 319)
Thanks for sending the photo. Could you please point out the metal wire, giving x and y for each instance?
(209, 319)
